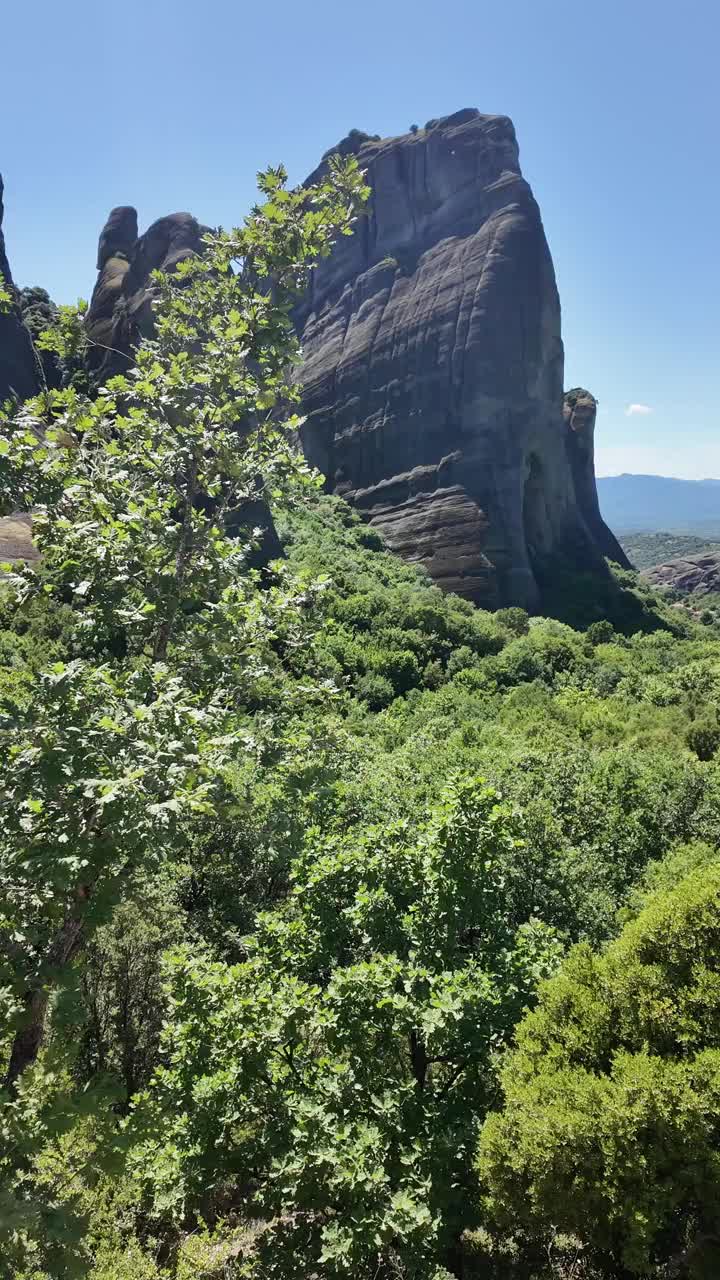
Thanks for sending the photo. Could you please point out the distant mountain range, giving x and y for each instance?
(649, 503)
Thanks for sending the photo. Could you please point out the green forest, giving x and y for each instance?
(346, 930)
(645, 550)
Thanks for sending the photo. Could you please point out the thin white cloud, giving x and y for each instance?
(637, 409)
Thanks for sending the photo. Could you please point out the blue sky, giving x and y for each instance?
(169, 105)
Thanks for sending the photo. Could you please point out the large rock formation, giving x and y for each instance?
(18, 378)
(433, 369)
(120, 310)
(121, 313)
(18, 370)
(690, 575)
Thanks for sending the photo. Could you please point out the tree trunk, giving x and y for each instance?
(29, 1036)
(418, 1060)
(164, 631)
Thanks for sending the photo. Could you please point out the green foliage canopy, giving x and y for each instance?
(612, 1099)
(137, 501)
(347, 1061)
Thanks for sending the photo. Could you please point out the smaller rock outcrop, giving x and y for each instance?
(18, 370)
(580, 413)
(16, 538)
(690, 575)
(117, 241)
(120, 311)
(119, 235)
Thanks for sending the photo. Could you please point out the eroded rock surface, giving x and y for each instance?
(18, 371)
(433, 368)
(699, 575)
(16, 538)
(580, 412)
(120, 310)
(121, 313)
(433, 362)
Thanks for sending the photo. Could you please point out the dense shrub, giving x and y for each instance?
(347, 1060)
(703, 737)
(612, 1098)
(375, 692)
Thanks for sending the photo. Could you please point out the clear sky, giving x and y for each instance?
(167, 105)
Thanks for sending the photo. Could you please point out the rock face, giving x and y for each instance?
(19, 376)
(433, 369)
(16, 538)
(697, 575)
(120, 310)
(579, 412)
(18, 372)
(120, 314)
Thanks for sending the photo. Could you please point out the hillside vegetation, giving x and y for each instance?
(348, 930)
(646, 550)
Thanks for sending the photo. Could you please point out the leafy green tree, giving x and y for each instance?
(332, 1084)
(600, 632)
(61, 340)
(6, 297)
(703, 737)
(138, 502)
(120, 994)
(376, 690)
(611, 1121)
(514, 619)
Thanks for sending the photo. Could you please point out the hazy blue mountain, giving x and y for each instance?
(651, 503)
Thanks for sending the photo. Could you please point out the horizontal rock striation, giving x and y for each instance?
(433, 368)
(689, 575)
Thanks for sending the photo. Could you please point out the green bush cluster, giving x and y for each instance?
(611, 1121)
(284, 1047)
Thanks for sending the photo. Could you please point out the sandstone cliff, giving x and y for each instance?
(579, 412)
(433, 368)
(120, 310)
(18, 371)
(698, 575)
